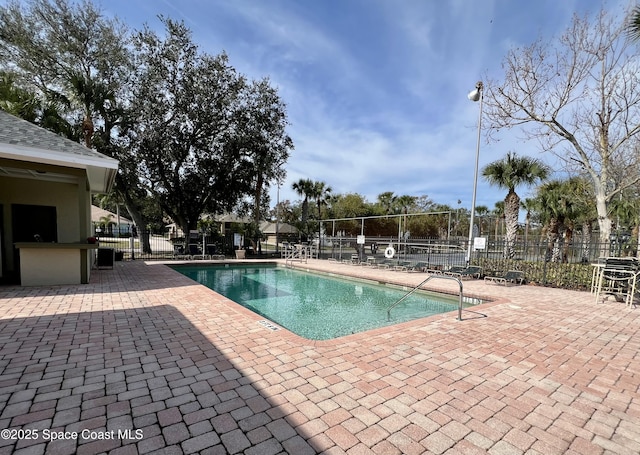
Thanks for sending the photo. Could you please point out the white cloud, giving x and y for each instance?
(375, 89)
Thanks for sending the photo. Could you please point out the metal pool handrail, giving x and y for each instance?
(444, 277)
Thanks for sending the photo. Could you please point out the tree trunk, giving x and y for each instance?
(567, 237)
(553, 241)
(138, 219)
(187, 226)
(558, 243)
(511, 209)
(587, 230)
(604, 222)
(87, 130)
(319, 230)
(527, 221)
(305, 218)
(257, 244)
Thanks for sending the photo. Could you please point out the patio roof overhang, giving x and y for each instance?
(31, 163)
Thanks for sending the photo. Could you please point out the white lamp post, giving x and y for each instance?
(475, 95)
(278, 218)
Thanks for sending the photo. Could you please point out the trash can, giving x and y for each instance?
(106, 257)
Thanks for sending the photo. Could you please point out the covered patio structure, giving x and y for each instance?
(46, 182)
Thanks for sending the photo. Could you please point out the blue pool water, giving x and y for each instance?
(317, 307)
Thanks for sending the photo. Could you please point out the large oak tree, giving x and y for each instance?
(188, 131)
(204, 137)
(77, 62)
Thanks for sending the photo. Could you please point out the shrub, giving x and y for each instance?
(553, 274)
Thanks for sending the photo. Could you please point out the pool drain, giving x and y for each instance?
(268, 325)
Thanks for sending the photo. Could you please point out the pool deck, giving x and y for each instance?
(143, 348)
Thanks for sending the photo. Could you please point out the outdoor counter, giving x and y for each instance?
(54, 263)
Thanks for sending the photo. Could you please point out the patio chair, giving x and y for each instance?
(512, 276)
(618, 278)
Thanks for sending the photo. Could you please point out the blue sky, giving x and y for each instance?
(376, 90)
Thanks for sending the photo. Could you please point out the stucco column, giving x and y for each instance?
(84, 226)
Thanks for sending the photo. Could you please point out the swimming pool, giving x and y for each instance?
(314, 306)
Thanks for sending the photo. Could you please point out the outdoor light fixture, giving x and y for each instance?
(475, 95)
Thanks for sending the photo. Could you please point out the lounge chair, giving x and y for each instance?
(454, 270)
(370, 262)
(473, 271)
(512, 276)
(210, 251)
(418, 267)
(402, 266)
(179, 252)
(355, 260)
(195, 252)
(385, 264)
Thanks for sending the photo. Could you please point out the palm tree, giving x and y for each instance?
(92, 95)
(481, 212)
(104, 223)
(16, 100)
(528, 205)
(563, 205)
(498, 212)
(586, 213)
(626, 212)
(386, 201)
(404, 204)
(510, 172)
(633, 25)
(31, 107)
(555, 205)
(304, 188)
(321, 193)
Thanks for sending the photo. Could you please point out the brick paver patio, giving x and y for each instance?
(143, 360)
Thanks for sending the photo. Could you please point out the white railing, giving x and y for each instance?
(296, 252)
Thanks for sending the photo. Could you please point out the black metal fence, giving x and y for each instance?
(558, 263)
(454, 251)
(150, 246)
(561, 263)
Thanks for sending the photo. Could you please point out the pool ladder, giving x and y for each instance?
(444, 277)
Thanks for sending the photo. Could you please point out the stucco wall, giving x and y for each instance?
(47, 267)
(66, 197)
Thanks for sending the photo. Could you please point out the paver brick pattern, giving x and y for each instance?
(143, 360)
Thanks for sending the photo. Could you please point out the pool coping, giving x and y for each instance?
(288, 335)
